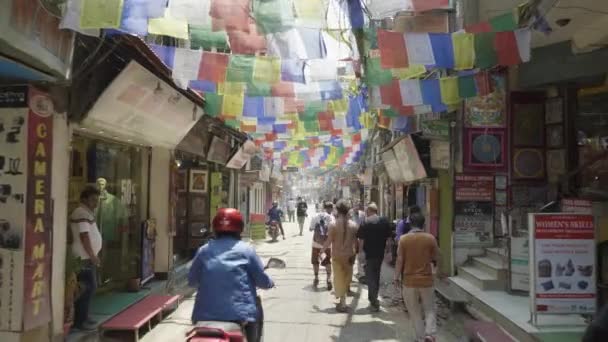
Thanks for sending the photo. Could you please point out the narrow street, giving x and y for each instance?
(295, 311)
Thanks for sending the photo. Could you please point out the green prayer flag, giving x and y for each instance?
(311, 126)
(375, 75)
(213, 104)
(466, 87)
(233, 123)
(259, 89)
(273, 16)
(505, 22)
(206, 39)
(390, 113)
(485, 53)
(240, 68)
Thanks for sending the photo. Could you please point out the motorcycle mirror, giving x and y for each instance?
(276, 263)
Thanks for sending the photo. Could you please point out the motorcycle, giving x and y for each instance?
(212, 331)
(273, 230)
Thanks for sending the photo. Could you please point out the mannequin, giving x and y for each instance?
(111, 214)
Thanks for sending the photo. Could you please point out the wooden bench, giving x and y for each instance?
(140, 314)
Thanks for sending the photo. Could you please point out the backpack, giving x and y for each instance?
(321, 230)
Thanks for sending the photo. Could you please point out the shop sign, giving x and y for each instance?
(39, 213)
(408, 160)
(473, 223)
(257, 226)
(563, 264)
(435, 128)
(440, 155)
(486, 111)
(520, 264)
(242, 156)
(30, 28)
(579, 206)
(474, 188)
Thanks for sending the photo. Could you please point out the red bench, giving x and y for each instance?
(140, 314)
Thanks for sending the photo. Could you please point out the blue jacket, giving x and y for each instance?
(226, 272)
(275, 214)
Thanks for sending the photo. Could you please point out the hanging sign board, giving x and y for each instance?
(563, 264)
(440, 155)
(242, 156)
(579, 206)
(473, 210)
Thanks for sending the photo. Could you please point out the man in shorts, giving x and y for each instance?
(320, 228)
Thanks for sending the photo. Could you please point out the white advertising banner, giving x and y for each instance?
(563, 264)
(520, 264)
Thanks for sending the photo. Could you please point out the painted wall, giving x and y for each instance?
(159, 207)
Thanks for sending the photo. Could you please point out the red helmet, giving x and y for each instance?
(228, 220)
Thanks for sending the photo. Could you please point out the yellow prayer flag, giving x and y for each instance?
(96, 14)
(167, 26)
(464, 50)
(233, 105)
(231, 88)
(339, 106)
(267, 70)
(449, 90)
(413, 71)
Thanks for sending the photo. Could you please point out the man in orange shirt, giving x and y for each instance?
(416, 252)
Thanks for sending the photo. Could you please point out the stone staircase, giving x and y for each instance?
(488, 272)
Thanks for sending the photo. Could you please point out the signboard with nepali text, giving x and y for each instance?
(563, 264)
(26, 215)
(473, 210)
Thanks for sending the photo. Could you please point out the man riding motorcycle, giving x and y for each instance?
(276, 214)
(226, 272)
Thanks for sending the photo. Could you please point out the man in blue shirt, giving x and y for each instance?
(226, 272)
(276, 214)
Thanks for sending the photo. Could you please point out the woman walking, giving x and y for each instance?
(342, 238)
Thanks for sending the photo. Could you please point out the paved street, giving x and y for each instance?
(295, 311)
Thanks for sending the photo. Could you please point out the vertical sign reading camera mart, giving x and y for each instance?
(37, 249)
(563, 264)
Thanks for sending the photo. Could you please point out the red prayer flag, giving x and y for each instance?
(506, 47)
(213, 67)
(391, 94)
(329, 115)
(336, 132)
(405, 110)
(479, 27)
(427, 5)
(246, 43)
(283, 89)
(393, 53)
(356, 138)
(230, 15)
(270, 136)
(325, 125)
(483, 82)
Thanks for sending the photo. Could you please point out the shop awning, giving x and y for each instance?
(140, 107)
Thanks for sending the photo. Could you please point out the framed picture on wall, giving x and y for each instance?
(199, 181)
(528, 122)
(555, 136)
(485, 149)
(529, 163)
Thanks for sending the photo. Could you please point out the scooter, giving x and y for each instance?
(273, 230)
(212, 331)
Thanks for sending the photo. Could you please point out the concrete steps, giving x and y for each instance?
(480, 278)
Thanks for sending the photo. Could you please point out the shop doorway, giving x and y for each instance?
(120, 172)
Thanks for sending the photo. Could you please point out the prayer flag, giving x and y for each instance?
(213, 104)
(186, 65)
(481, 27)
(431, 94)
(464, 51)
(426, 5)
(134, 17)
(292, 70)
(283, 89)
(412, 71)
(393, 53)
(213, 67)
(507, 49)
(485, 55)
(267, 70)
(524, 42)
(206, 39)
(258, 89)
(443, 49)
(419, 49)
(233, 105)
(203, 86)
(411, 94)
(310, 13)
(505, 22)
(166, 54)
(100, 14)
(167, 26)
(240, 68)
(253, 106)
(273, 15)
(375, 74)
(483, 83)
(230, 15)
(449, 90)
(466, 87)
(194, 12)
(391, 94)
(246, 43)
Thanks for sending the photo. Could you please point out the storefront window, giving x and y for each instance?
(118, 172)
(592, 136)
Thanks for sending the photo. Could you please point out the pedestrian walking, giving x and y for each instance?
(360, 219)
(372, 236)
(342, 238)
(319, 225)
(416, 252)
(86, 245)
(301, 213)
(403, 227)
(291, 210)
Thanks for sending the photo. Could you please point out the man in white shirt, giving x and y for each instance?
(320, 226)
(86, 246)
(291, 210)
